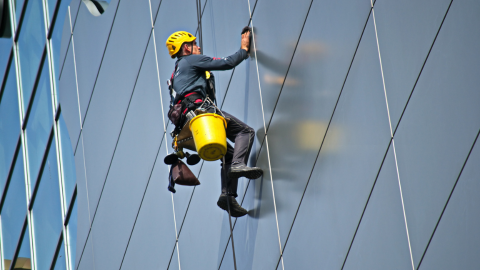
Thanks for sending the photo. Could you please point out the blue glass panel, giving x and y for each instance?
(24, 258)
(47, 211)
(14, 210)
(18, 5)
(72, 234)
(60, 261)
(68, 161)
(5, 48)
(56, 39)
(30, 46)
(39, 125)
(9, 124)
(51, 9)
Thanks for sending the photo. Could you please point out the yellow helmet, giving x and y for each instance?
(175, 41)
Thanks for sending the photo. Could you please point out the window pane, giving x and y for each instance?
(47, 217)
(24, 257)
(18, 8)
(72, 234)
(56, 38)
(68, 161)
(9, 124)
(51, 9)
(60, 263)
(30, 46)
(14, 210)
(5, 48)
(39, 125)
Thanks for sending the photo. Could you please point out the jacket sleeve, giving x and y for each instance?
(203, 62)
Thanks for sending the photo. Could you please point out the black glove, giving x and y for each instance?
(245, 29)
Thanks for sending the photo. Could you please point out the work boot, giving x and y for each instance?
(235, 209)
(240, 170)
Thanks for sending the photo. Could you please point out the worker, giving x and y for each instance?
(192, 84)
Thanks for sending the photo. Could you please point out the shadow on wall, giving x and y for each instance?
(95, 7)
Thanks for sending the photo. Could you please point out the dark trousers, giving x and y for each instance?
(242, 135)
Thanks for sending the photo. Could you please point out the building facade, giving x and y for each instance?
(37, 168)
(366, 117)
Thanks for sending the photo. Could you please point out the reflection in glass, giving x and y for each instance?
(9, 124)
(72, 234)
(39, 125)
(69, 174)
(14, 210)
(60, 263)
(30, 46)
(47, 212)
(24, 258)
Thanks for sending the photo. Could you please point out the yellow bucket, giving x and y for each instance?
(209, 134)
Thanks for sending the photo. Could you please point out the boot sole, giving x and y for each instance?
(250, 174)
(223, 204)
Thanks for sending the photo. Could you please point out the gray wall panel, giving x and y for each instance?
(83, 212)
(306, 104)
(227, 262)
(440, 122)
(174, 265)
(113, 91)
(88, 258)
(255, 235)
(221, 35)
(91, 34)
(406, 30)
(206, 229)
(65, 43)
(154, 234)
(74, 8)
(69, 99)
(164, 27)
(456, 243)
(130, 169)
(381, 240)
(347, 166)
(275, 40)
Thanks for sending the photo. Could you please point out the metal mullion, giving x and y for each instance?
(40, 171)
(57, 250)
(10, 171)
(20, 20)
(19, 243)
(34, 90)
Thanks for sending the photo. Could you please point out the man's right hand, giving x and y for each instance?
(246, 40)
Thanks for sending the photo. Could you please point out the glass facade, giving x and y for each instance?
(37, 169)
(366, 118)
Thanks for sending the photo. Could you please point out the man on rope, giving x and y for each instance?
(191, 85)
